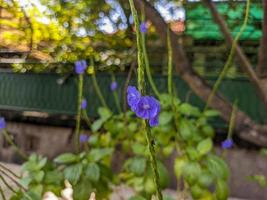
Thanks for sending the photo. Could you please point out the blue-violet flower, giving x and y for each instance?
(143, 27)
(227, 144)
(133, 97)
(2, 123)
(84, 104)
(113, 86)
(84, 138)
(145, 107)
(80, 66)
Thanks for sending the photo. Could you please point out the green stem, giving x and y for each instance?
(116, 98)
(86, 118)
(141, 83)
(150, 143)
(2, 193)
(232, 121)
(11, 172)
(230, 57)
(15, 147)
(169, 62)
(18, 184)
(115, 94)
(147, 67)
(78, 117)
(6, 184)
(140, 53)
(98, 92)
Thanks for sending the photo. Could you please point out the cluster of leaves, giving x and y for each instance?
(87, 172)
(187, 130)
(182, 128)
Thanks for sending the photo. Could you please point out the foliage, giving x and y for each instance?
(87, 172)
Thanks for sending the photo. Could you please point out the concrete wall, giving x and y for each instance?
(44, 140)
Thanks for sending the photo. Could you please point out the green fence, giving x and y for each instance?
(200, 25)
(42, 92)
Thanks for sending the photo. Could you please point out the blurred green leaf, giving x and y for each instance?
(204, 146)
(66, 158)
(92, 171)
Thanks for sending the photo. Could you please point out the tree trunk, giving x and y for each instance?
(262, 59)
(246, 128)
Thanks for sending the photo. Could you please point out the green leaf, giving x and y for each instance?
(165, 100)
(196, 191)
(136, 165)
(185, 129)
(137, 198)
(205, 179)
(191, 171)
(165, 117)
(179, 163)
(139, 149)
(104, 113)
(189, 110)
(73, 173)
(260, 179)
(207, 130)
(132, 127)
(42, 163)
(97, 125)
(211, 113)
(82, 190)
(263, 151)
(53, 177)
(92, 171)
(66, 158)
(204, 146)
(217, 167)
(38, 176)
(222, 190)
(192, 153)
(96, 155)
(37, 190)
(25, 181)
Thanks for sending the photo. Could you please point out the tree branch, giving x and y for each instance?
(262, 60)
(250, 130)
(243, 60)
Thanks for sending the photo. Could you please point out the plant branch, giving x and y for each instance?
(243, 60)
(262, 61)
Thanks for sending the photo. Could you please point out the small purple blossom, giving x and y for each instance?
(84, 138)
(145, 107)
(2, 123)
(80, 66)
(143, 27)
(154, 121)
(227, 144)
(133, 97)
(84, 104)
(113, 86)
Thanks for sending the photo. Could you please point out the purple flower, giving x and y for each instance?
(84, 104)
(143, 27)
(227, 144)
(84, 138)
(145, 107)
(113, 86)
(133, 97)
(80, 66)
(154, 121)
(2, 123)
